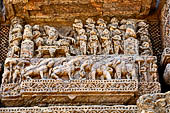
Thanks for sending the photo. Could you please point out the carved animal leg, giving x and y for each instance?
(134, 76)
(4, 80)
(118, 75)
(107, 75)
(155, 78)
(54, 76)
(67, 52)
(128, 76)
(93, 75)
(70, 76)
(145, 76)
(14, 78)
(102, 77)
(41, 75)
(49, 74)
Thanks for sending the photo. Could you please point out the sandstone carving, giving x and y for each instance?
(91, 64)
(128, 37)
(154, 103)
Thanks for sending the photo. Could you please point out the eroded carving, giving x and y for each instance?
(154, 103)
(129, 37)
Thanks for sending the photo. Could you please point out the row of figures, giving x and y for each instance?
(102, 38)
(93, 38)
(81, 68)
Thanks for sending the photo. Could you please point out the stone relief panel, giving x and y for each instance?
(129, 37)
(81, 68)
(95, 58)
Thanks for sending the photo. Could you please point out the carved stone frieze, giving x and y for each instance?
(96, 62)
(129, 37)
(79, 109)
(63, 77)
(149, 88)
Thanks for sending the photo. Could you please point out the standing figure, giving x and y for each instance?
(90, 24)
(37, 36)
(83, 42)
(93, 42)
(16, 75)
(153, 72)
(27, 45)
(117, 44)
(144, 73)
(106, 43)
(101, 26)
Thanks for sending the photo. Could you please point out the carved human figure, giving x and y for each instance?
(101, 26)
(37, 36)
(105, 42)
(14, 51)
(131, 46)
(15, 33)
(114, 22)
(6, 75)
(123, 26)
(83, 42)
(93, 42)
(146, 49)
(143, 28)
(153, 73)
(15, 37)
(77, 25)
(54, 36)
(27, 45)
(16, 75)
(117, 44)
(28, 32)
(144, 72)
(90, 25)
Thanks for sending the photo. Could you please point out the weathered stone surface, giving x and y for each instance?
(60, 12)
(165, 24)
(165, 27)
(154, 103)
(166, 75)
(36, 72)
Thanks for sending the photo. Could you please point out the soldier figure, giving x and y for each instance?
(106, 43)
(83, 42)
(117, 44)
(93, 42)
